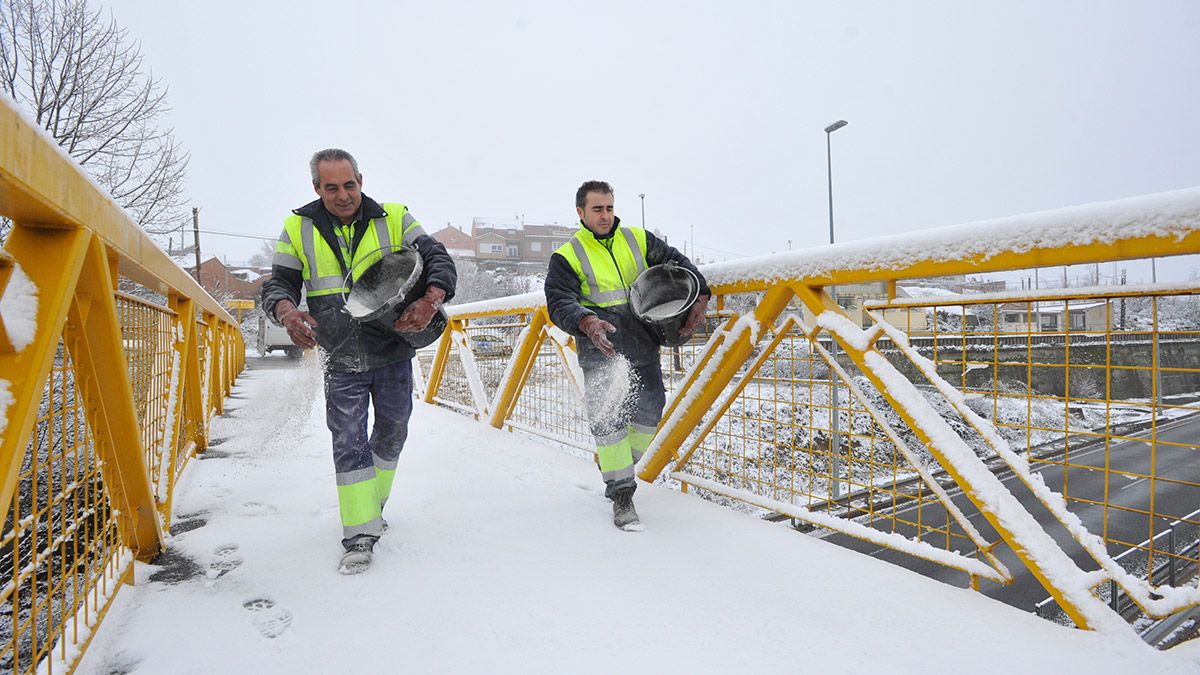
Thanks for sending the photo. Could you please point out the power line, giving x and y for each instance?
(719, 250)
(237, 234)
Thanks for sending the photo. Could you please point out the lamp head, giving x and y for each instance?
(835, 126)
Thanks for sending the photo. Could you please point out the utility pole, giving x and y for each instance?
(1122, 301)
(196, 234)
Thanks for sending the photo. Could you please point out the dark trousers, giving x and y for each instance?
(365, 465)
(624, 408)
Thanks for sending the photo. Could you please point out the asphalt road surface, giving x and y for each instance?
(1084, 478)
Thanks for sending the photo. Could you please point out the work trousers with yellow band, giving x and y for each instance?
(624, 405)
(365, 465)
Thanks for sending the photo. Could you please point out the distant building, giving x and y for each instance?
(540, 241)
(457, 243)
(1033, 317)
(498, 241)
(853, 297)
(222, 282)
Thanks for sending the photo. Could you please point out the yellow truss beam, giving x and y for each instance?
(93, 336)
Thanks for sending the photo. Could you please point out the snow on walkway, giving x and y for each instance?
(502, 558)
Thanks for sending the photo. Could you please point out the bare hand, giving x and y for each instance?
(695, 317)
(299, 324)
(597, 329)
(418, 314)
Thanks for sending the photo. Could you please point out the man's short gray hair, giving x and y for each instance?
(330, 155)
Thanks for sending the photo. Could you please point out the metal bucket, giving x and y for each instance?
(662, 297)
(386, 288)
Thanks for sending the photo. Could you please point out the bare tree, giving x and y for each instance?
(76, 74)
(266, 253)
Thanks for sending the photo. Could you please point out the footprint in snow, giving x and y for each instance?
(225, 560)
(257, 509)
(270, 619)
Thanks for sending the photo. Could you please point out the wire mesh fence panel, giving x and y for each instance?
(148, 337)
(1100, 391)
(60, 554)
(455, 389)
(791, 431)
(550, 404)
(679, 362)
(492, 341)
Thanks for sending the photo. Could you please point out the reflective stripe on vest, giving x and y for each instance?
(616, 292)
(282, 257)
(316, 285)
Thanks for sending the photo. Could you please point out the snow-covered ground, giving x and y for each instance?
(501, 558)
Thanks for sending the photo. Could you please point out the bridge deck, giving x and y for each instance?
(501, 557)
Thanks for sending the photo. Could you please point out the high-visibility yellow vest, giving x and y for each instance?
(606, 267)
(301, 247)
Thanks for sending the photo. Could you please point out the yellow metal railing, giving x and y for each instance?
(950, 429)
(112, 362)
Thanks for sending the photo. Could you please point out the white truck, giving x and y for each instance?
(272, 337)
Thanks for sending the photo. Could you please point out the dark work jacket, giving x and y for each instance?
(350, 345)
(632, 339)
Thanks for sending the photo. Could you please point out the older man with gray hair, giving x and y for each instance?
(326, 244)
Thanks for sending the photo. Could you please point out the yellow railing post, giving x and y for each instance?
(522, 361)
(192, 391)
(184, 332)
(438, 368)
(216, 402)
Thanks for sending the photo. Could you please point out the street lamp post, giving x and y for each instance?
(642, 196)
(835, 485)
(829, 167)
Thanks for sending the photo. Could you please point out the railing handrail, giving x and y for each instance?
(1149, 226)
(40, 184)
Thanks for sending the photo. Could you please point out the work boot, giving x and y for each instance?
(624, 515)
(357, 557)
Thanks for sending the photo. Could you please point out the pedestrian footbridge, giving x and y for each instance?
(853, 471)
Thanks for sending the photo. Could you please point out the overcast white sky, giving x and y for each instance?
(958, 111)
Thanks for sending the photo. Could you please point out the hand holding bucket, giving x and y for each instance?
(388, 289)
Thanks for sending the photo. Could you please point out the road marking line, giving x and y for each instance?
(1135, 482)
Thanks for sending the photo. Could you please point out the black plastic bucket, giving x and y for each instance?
(386, 288)
(662, 297)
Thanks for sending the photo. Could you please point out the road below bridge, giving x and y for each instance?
(1083, 477)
